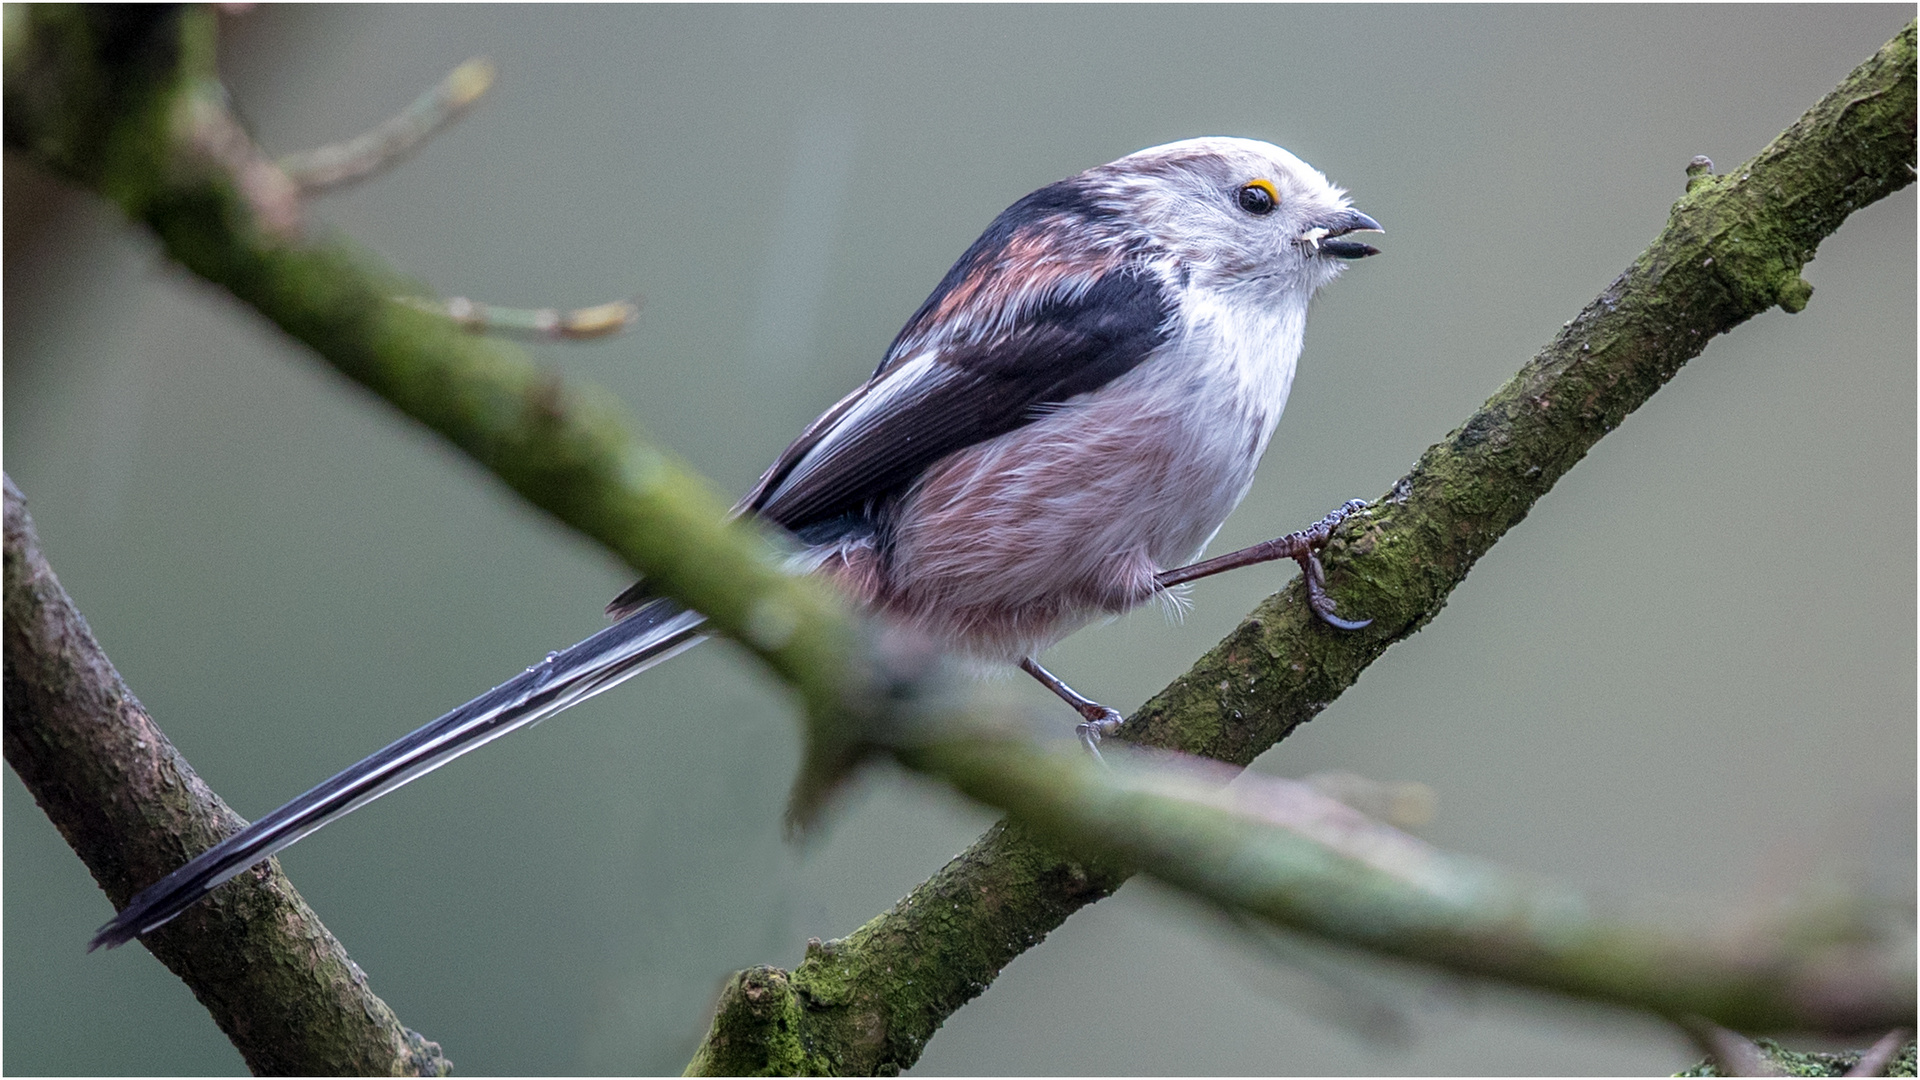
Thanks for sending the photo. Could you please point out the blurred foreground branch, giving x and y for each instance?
(1304, 861)
(284, 991)
(1300, 860)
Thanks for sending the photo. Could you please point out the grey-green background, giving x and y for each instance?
(1687, 678)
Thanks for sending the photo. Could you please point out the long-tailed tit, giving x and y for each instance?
(1052, 439)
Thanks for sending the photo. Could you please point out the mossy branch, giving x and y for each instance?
(284, 991)
(1732, 248)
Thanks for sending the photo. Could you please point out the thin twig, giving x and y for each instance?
(540, 324)
(339, 164)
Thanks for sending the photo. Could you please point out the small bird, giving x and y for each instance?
(1052, 439)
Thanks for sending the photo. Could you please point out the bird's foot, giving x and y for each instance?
(1302, 547)
(1306, 546)
(1100, 722)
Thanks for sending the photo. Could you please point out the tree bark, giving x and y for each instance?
(278, 984)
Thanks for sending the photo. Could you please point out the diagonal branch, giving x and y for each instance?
(1280, 852)
(1732, 248)
(280, 986)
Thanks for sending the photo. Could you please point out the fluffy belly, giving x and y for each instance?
(1004, 548)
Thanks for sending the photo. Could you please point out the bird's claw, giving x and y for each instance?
(1099, 723)
(1315, 575)
(1322, 604)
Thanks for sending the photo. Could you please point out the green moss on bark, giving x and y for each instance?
(874, 997)
(1787, 1062)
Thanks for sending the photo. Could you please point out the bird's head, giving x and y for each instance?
(1235, 213)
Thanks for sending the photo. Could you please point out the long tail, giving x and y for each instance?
(652, 634)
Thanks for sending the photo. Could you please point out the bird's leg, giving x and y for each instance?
(1302, 547)
(1100, 721)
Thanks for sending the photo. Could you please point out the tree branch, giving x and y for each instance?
(124, 101)
(1732, 248)
(278, 984)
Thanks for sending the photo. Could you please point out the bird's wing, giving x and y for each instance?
(1036, 312)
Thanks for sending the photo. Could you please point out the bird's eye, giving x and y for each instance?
(1258, 197)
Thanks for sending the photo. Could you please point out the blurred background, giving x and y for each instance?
(1686, 680)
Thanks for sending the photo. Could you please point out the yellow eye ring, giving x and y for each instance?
(1259, 197)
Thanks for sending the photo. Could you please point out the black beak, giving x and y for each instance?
(1342, 223)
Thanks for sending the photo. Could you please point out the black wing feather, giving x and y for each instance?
(979, 390)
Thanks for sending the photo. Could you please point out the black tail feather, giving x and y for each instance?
(651, 634)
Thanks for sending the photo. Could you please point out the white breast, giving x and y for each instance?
(1007, 546)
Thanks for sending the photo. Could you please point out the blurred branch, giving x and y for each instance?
(1879, 1059)
(342, 163)
(1729, 1053)
(284, 991)
(1732, 248)
(1304, 861)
